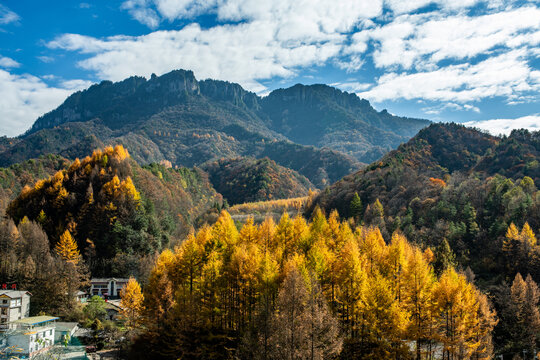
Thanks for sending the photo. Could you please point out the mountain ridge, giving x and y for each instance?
(178, 118)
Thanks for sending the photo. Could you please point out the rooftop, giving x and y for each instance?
(13, 293)
(109, 279)
(35, 320)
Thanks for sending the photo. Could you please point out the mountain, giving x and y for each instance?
(319, 131)
(321, 115)
(450, 183)
(244, 180)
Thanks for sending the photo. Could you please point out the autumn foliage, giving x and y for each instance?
(224, 285)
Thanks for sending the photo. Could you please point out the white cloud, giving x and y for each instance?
(75, 84)
(7, 16)
(436, 110)
(6, 62)
(241, 53)
(508, 75)
(46, 59)
(505, 126)
(23, 98)
(407, 6)
(352, 86)
(414, 41)
(140, 12)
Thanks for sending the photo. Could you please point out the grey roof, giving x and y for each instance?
(108, 279)
(14, 293)
(66, 326)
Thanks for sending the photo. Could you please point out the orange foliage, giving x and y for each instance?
(437, 182)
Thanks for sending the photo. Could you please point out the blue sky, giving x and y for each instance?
(468, 61)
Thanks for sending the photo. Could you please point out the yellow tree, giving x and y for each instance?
(159, 296)
(372, 245)
(350, 279)
(419, 280)
(457, 309)
(248, 233)
(383, 320)
(131, 302)
(67, 248)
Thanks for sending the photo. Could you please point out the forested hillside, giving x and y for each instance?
(117, 212)
(244, 180)
(455, 184)
(319, 131)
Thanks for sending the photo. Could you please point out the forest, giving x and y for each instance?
(445, 267)
(310, 290)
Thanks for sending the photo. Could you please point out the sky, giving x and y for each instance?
(469, 61)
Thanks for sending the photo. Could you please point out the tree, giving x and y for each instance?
(374, 215)
(132, 303)
(67, 248)
(356, 208)
(95, 308)
(444, 257)
(521, 316)
(302, 326)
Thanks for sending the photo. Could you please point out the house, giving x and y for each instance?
(81, 297)
(114, 310)
(64, 330)
(108, 288)
(31, 335)
(14, 305)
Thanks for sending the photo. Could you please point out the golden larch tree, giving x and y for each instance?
(67, 248)
(132, 303)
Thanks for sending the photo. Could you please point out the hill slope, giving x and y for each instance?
(244, 180)
(450, 182)
(117, 211)
(174, 117)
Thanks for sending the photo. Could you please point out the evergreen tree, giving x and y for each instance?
(444, 257)
(356, 207)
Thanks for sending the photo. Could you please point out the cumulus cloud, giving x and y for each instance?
(242, 53)
(507, 75)
(7, 16)
(6, 62)
(23, 98)
(505, 126)
(426, 39)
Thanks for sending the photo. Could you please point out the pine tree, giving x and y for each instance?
(444, 257)
(356, 208)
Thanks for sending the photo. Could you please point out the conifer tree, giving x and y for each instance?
(132, 303)
(67, 248)
(356, 207)
(444, 257)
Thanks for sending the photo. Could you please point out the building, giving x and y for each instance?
(14, 305)
(108, 288)
(31, 335)
(64, 330)
(81, 297)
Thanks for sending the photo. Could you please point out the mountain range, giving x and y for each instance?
(317, 130)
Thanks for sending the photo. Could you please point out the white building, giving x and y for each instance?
(14, 305)
(32, 335)
(107, 287)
